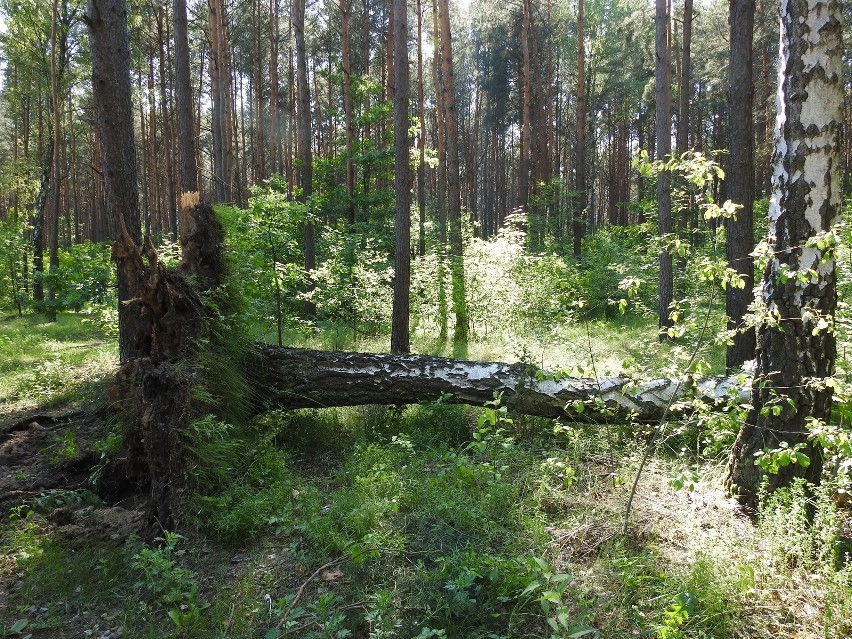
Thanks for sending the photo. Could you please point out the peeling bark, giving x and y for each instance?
(301, 378)
(796, 345)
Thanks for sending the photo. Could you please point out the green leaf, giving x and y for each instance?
(687, 600)
(542, 564)
(582, 631)
(175, 616)
(19, 626)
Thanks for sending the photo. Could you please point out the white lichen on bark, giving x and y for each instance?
(796, 347)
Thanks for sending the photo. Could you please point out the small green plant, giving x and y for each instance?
(171, 586)
(490, 437)
(322, 618)
(684, 478)
(58, 497)
(772, 460)
(64, 447)
(676, 615)
(17, 629)
(551, 590)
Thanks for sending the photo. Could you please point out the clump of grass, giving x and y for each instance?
(51, 363)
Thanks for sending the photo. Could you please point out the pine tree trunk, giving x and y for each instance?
(580, 168)
(402, 253)
(526, 97)
(348, 110)
(664, 147)
(796, 346)
(274, 89)
(57, 61)
(421, 137)
(171, 194)
(460, 329)
(183, 100)
(441, 173)
(224, 131)
(305, 173)
(740, 178)
(685, 93)
(107, 21)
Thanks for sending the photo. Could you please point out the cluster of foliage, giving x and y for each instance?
(84, 279)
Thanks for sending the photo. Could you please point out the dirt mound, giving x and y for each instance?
(48, 461)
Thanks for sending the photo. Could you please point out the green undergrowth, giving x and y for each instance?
(52, 363)
(428, 520)
(623, 344)
(441, 521)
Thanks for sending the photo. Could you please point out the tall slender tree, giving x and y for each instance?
(348, 108)
(221, 86)
(441, 173)
(664, 146)
(740, 178)
(796, 345)
(421, 136)
(526, 106)
(58, 52)
(402, 253)
(183, 100)
(580, 163)
(448, 85)
(306, 158)
(684, 99)
(111, 92)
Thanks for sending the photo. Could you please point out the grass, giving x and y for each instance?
(48, 364)
(424, 521)
(626, 343)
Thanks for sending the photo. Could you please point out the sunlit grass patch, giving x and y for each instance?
(44, 363)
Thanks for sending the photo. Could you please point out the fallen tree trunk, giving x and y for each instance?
(302, 378)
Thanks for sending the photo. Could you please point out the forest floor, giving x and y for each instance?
(425, 521)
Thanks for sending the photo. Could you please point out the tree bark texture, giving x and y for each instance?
(740, 178)
(685, 80)
(448, 84)
(796, 346)
(222, 91)
(526, 97)
(580, 213)
(300, 378)
(37, 238)
(402, 252)
(306, 166)
(664, 147)
(421, 137)
(440, 173)
(183, 100)
(108, 38)
(348, 109)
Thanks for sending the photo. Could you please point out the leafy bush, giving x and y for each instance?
(353, 283)
(86, 277)
(12, 252)
(169, 585)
